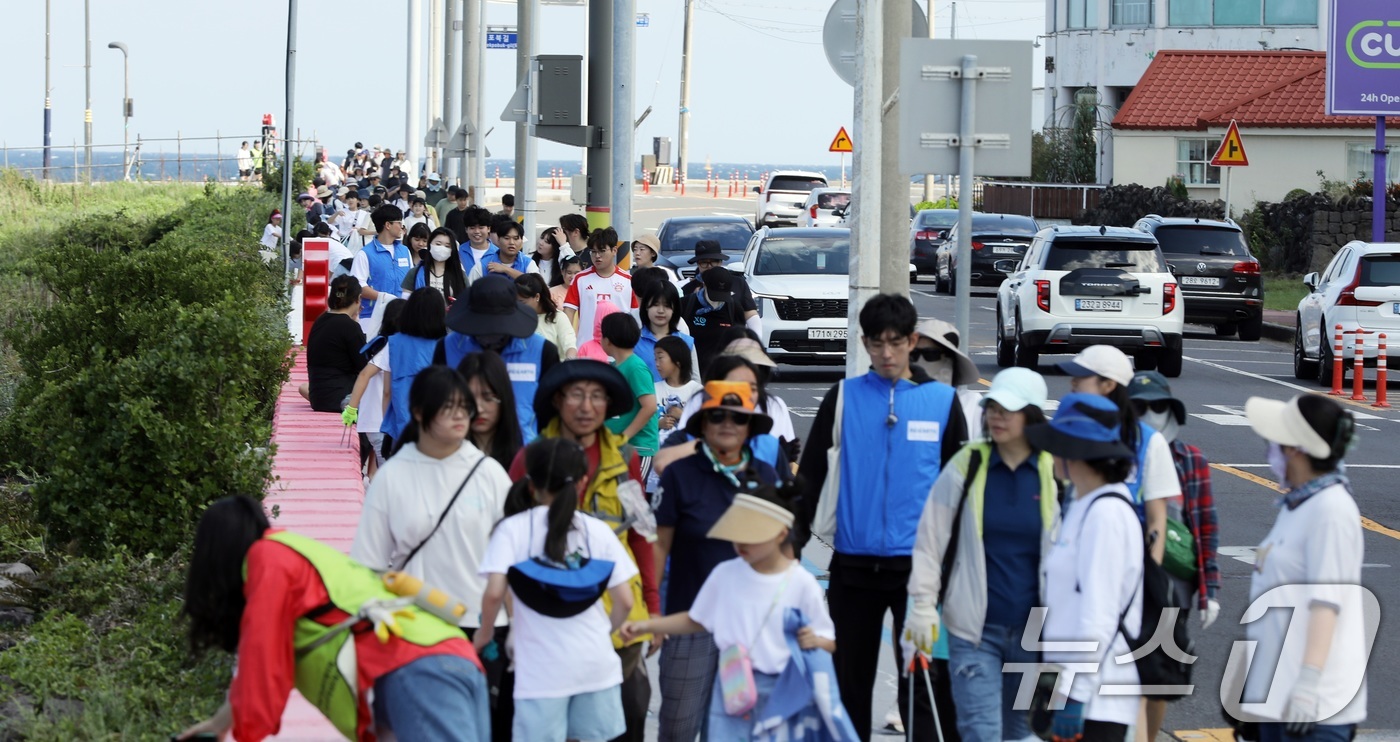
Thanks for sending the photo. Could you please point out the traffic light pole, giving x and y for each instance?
(600, 81)
(624, 46)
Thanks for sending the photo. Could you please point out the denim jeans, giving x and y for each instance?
(441, 696)
(983, 693)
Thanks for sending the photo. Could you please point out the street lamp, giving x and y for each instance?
(126, 105)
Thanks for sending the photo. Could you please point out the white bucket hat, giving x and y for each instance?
(1016, 388)
(1101, 360)
(1283, 423)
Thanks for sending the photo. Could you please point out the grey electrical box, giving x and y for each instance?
(661, 147)
(560, 91)
(648, 163)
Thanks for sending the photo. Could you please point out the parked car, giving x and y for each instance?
(926, 233)
(799, 280)
(847, 214)
(818, 211)
(782, 197)
(1220, 281)
(1359, 290)
(679, 234)
(1082, 286)
(996, 238)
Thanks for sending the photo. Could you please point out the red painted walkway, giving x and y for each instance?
(317, 491)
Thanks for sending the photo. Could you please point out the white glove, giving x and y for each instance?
(921, 624)
(1210, 612)
(1300, 715)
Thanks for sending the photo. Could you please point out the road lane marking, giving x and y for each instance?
(1349, 466)
(1366, 523)
(1280, 382)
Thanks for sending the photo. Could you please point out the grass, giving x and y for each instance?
(1283, 292)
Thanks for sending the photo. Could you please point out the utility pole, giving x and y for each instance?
(451, 85)
(928, 178)
(48, 90)
(600, 80)
(624, 47)
(893, 211)
(472, 41)
(412, 130)
(864, 272)
(434, 76)
(126, 107)
(87, 87)
(478, 119)
(683, 136)
(287, 154)
(526, 12)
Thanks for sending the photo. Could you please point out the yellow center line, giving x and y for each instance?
(1366, 523)
(1347, 400)
(1210, 735)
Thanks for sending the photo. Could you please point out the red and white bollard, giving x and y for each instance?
(709, 182)
(681, 176)
(746, 182)
(1380, 372)
(1358, 369)
(1338, 370)
(675, 183)
(498, 176)
(646, 182)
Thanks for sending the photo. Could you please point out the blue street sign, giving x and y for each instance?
(643, 20)
(496, 40)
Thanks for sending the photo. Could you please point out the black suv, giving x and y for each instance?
(997, 239)
(1220, 281)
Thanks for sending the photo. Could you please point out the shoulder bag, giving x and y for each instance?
(740, 693)
(442, 517)
(824, 522)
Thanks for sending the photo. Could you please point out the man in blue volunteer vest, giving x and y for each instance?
(897, 429)
(506, 257)
(491, 317)
(475, 232)
(385, 260)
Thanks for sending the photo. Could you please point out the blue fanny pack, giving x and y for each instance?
(559, 591)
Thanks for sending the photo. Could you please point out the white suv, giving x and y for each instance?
(782, 197)
(1082, 286)
(1360, 290)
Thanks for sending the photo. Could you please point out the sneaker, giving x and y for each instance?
(893, 722)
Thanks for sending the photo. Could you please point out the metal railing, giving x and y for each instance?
(164, 159)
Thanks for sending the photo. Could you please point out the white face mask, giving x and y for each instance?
(1278, 463)
(1164, 423)
(440, 252)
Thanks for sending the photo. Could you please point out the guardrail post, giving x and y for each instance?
(1358, 369)
(1337, 364)
(1380, 372)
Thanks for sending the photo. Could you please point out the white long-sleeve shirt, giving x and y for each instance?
(405, 500)
(1093, 570)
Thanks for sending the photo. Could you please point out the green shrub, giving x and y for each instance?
(302, 173)
(1296, 193)
(942, 203)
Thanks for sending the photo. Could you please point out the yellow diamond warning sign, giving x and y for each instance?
(842, 142)
(1231, 152)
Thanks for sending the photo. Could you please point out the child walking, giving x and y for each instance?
(742, 603)
(638, 425)
(677, 385)
(568, 678)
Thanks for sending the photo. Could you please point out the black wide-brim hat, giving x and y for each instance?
(491, 306)
(581, 369)
(708, 250)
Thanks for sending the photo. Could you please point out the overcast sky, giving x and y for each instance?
(762, 90)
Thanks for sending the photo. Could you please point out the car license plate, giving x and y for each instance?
(1099, 305)
(826, 333)
(1008, 250)
(1396, 308)
(1200, 281)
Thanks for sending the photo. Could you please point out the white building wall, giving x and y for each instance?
(1280, 160)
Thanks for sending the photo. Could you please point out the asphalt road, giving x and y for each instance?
(1219, 375)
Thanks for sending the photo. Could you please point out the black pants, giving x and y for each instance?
(1104, 731)
(858, 598)
(501, 683)
(636, 693)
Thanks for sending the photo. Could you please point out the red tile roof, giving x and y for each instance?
(1195, 90)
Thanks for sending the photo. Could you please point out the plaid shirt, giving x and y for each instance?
(1193, 471)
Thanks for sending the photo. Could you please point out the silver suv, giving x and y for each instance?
(782, 197)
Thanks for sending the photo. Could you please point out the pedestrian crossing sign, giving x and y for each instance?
(842, 142)
(1231, 152)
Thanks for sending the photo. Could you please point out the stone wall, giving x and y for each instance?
(1347, 220)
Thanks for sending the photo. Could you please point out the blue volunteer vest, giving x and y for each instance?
(1134, 480)
(888, 470)
(523, 357)
(522, 261)
(387, 268)
(407, 356)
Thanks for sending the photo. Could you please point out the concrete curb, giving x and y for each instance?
(1274, 331)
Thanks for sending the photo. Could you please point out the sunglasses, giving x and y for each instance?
(926, 354)
(1157, 405)
(717, 417)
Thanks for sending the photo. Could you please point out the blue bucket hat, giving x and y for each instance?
(1085, 428)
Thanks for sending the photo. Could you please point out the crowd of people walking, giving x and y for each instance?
(564, 479)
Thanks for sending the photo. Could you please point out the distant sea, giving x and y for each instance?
(107, 165)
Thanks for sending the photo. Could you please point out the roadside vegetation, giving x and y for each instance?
(142, 346)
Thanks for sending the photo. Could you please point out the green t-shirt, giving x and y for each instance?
(639, 379)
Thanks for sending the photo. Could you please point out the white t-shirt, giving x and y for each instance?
(1092, 571)
(405, 500)
(372, 402)
(245, 159)
(736, 604)
(560, 657)
(668, 396)
(1317, 549)
(589, 288)
(271, 235)
(1159, 478)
